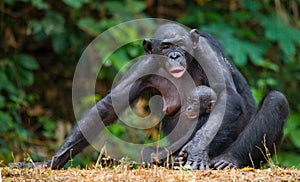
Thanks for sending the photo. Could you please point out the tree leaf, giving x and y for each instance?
(76, 4)
(25, 76)
(277, 30)
(40, 4)
(89, 25)
(60, 43)
(53, 23)
(237, 48)
(6, 84)
(6, 122)
(26, 61)
(2, 100)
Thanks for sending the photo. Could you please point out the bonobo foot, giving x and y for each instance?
(224, 162)
(45, 164)
(197, 159)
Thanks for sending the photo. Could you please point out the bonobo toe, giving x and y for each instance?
(223, 164)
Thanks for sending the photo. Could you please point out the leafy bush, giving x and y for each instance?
(15, 74)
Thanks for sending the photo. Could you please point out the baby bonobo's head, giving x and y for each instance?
(202, 100)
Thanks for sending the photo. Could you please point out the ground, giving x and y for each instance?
(154, 174)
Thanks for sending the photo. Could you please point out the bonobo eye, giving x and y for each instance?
(180, 44)
(165, 46)
(193, 101)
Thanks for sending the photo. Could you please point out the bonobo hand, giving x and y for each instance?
(197, 159)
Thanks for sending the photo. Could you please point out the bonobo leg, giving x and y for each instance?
(264, 129)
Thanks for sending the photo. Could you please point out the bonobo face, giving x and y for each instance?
(201, 100)
(192, 108)
(175, 43)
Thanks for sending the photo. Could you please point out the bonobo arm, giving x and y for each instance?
(98, 116)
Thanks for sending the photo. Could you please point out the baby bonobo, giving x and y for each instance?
(202, 100)
(198, 106)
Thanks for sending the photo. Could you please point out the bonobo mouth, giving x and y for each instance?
(191, 115)
(177, 72)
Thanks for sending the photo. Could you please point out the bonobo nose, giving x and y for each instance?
(174, 55)
(189, 109)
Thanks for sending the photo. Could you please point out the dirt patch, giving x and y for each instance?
(155, 174)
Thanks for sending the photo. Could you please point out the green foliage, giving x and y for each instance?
(289, 159)
(128, 10)
(119, 61)
(278, 31)
(75, 4)
(15, 74)
(39, 4)
(292, 129)
(49, 127)
(237, 48)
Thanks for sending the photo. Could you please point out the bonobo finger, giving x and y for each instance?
(188, 163)
(183, 151)
(195, 165)
(201, 166)
(204, 166)
(178, 161)
(182, 154)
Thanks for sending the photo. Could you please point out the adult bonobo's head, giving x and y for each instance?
(177, 44)
(201, 101)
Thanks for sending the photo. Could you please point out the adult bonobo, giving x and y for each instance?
(243, 126)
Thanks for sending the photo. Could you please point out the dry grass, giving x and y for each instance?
(155, 174)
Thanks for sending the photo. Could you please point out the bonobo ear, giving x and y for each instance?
(147, 43)
(210, 106)
(194, 33)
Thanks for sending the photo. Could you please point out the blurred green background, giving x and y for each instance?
(41, 42)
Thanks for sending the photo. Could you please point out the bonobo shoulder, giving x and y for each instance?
(216, 45)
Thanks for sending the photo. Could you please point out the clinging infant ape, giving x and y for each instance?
(199, 104)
